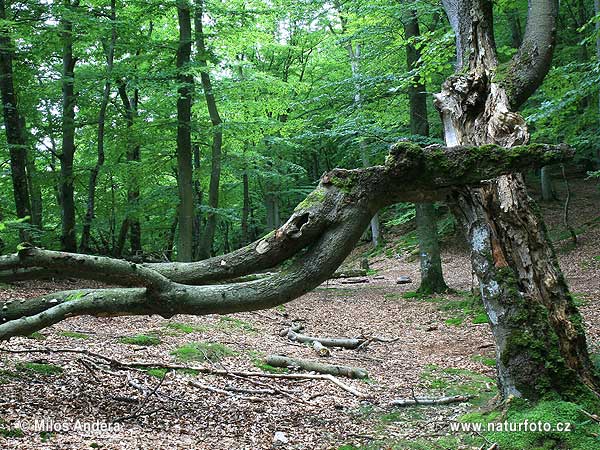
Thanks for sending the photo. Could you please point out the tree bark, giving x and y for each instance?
(328, 223)
(67, 195)
(547, 185)
(84, 245)
(432, 279)
(540, 341)
(13, 125)
(208, 236)
(184, 139)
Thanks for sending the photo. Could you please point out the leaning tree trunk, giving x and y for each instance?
(540, 341)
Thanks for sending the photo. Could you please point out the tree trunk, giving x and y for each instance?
(35, 191)
(15, 134)
(540, 341)
(208, 236)
(184, 139)
(132, 222)
(67, 195)
(432, 278)
(354, 55)
(547, 185)
(84, 246)
(245, 208)
(597, 13)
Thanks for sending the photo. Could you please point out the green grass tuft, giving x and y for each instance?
(186, 327)
(39, 368)
(143, 340)
(202, 351)
(75, 335)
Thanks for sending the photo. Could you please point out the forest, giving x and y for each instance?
(314, 224)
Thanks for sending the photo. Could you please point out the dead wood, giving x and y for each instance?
(312, 366)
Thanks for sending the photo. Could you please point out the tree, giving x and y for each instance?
(13, 124)
(184, 136)
(67, 194)
(84, 246)
(318, 236)
(207, 238)
(432, 278)
(540, 341)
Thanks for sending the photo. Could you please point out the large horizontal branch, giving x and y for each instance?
(411, 174)
(342, 205)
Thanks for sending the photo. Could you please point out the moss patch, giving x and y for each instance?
(202, 351)
(39, 368)
(75, 335)
(142, 340)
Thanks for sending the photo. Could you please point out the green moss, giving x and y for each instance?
(202, 351)
(37, 336)
(157, 372)
(11, 432)
(143, 340)
(233, 323)
(186, 328)
(582, 435)
(39, 368)
(314, 198)
(75, 335)
(345, 184)
(480, 318)
(456, 321)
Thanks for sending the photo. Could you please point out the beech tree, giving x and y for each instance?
(540, 341)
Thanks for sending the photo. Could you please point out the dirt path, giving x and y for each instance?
(430, 356)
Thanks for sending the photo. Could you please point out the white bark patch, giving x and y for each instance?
(480, 239)
(507, 202)
(263, 247)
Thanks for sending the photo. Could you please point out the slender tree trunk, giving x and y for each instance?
(13, 124)
(198, 203)
(432, 279)
(354, 53)
(516, 30)
(207, 238)
(540, 341)
(184, 139)
(245, 207)
(131, 223)
(547, 185)
(84, 246)
(67, 194)
(35, 191)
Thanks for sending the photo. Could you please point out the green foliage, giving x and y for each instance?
(142, 340)
(202, 351)
(75, 334)
(234, 323)
(39, 368)
(186, 328)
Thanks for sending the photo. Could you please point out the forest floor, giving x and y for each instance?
(440, 347)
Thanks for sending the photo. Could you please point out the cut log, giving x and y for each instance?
(411, 401)
(349, 343)
(311, 366)
(350, 273)
(321, 349)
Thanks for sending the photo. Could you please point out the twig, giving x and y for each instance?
(139, 365)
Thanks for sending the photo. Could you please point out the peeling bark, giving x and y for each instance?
(540, 341)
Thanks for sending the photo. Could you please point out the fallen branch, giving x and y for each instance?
(138, 365)
(430, 400)
(350, 343)
(311, 366)
(349, 273)
(321, 349)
